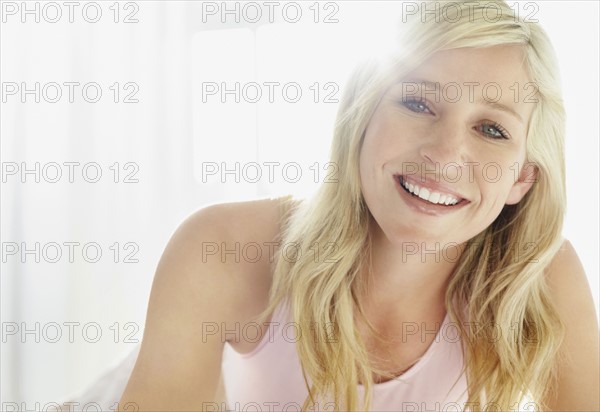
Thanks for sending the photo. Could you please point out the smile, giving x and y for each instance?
(427, 199)
(428, 195)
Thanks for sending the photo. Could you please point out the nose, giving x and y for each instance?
(445, 147)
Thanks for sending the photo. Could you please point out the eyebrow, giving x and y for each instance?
(436, 86)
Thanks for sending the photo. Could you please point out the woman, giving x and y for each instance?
(447, 211)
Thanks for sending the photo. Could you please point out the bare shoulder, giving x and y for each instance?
(579, 369)
(206, 278)
(243, 239)
(567, 280)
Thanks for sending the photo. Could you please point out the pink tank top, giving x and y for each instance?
(270, 377)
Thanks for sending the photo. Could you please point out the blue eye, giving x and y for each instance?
(496, 130)
(415, 105)
(492, 129)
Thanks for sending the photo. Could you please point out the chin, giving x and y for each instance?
(434, 239)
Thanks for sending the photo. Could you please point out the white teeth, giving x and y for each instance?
(432, 197)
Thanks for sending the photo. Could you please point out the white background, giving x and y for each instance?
(167, 137)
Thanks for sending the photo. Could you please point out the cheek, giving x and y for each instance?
(372, 162)
(371, 147)
(381, 141)
(500, 170)
(367, 162)
(495, 193)
(495, 181)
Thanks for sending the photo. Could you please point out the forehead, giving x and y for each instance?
(501, 64)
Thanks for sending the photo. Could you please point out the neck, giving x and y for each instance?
(409, 277)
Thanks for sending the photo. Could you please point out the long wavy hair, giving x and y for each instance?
(492, 282)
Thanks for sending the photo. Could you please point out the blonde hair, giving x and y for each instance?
(490, 284)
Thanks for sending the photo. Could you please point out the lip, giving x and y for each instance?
(423, 206)
(431, 185)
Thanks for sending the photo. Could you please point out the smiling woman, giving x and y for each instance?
(432, 274)
(432, 138)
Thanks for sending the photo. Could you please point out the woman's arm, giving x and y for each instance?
(578, 381)
(179, 365)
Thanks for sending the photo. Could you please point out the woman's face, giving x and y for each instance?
(463, 142)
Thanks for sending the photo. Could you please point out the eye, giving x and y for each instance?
(495, 130)
(415, 105)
